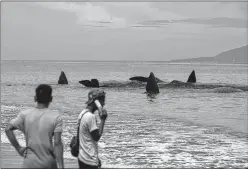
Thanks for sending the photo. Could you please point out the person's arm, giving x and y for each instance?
(97, 133)
(15, 124)
(58, 144)
(12, 138)
(59, 149)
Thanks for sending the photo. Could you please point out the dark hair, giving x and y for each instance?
(101, 98)
(43, 93)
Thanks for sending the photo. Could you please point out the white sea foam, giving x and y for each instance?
(20, 138)
(7, 108)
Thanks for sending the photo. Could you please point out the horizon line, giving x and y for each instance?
(66, 60)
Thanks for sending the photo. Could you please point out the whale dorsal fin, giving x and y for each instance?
(192, 78)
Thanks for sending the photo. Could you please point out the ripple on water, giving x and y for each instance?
(138, 142)
(181, 146)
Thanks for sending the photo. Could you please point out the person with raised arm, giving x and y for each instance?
(89, 132)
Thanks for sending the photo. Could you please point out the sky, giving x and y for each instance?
(149, 31)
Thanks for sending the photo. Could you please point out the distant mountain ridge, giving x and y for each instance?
(233, 56)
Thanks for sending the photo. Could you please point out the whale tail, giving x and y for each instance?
(152, 86)
(192, 78)
(62, 78)
(90, 83)
(86, 83)
(94, 83)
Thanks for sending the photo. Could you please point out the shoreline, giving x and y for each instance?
(10, 158)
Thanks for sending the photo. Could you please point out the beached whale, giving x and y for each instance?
(191, 78)
(138, 81)
(90, 83)
(152, 86)
(62, 78)
(144, 79)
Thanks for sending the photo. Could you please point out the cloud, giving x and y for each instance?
(111, 14)
(205, 9)
(166, 30)
(214, 22)
(208, 14)
(175, 19)
(87, 14)
(219, 22)
(140, 11)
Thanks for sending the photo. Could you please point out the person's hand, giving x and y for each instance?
(60, 166)
(104, 114)
(21, 151)
(99, 163)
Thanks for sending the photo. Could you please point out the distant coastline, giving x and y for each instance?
(174, 62)
(237, 56)
(233, 56)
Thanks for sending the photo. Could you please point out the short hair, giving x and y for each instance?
(43, 93)
(101, 97)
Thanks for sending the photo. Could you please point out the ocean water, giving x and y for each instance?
(179, 127)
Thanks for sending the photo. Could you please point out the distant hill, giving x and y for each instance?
(238, 56)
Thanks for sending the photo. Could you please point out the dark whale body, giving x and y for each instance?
(139, 78)
(144, 79)
(152, 86)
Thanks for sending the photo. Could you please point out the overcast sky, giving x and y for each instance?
(120, 31)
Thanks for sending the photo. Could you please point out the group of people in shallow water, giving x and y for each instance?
(43, 129)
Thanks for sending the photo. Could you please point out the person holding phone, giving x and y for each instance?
(89, 132)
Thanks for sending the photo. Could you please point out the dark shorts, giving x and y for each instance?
(86, 166)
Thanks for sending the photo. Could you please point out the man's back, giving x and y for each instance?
(38, 126)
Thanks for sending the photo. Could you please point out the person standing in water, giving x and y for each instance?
(89, 132)
(39, 125)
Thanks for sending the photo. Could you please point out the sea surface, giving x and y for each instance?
(179, 127)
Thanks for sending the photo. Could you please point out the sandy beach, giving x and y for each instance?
(10, 158)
